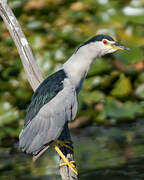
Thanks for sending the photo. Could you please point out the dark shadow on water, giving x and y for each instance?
(132, 170)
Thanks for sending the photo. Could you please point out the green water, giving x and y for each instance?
(100, 153)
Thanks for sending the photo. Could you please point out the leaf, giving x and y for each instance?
(139, 92)
(122, 87)
(92, 97)
(115, 109)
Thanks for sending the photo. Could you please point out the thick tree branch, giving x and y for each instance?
(32, 70)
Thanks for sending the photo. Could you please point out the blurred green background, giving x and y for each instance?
(112, 94)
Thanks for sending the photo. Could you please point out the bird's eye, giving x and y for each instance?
(104, 41)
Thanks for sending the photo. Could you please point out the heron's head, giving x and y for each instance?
(101, 45)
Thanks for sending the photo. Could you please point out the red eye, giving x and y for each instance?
(104, 41)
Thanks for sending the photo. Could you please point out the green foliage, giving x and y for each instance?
(118, 110)
(122, 87)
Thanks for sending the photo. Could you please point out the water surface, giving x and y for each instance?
(115, 153)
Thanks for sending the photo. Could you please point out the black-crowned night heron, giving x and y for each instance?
(54, 103)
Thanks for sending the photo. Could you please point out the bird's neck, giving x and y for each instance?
(77, 67)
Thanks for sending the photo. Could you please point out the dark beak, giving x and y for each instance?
(120, 46)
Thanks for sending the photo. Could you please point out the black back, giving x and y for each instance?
(99, 37)
(44, 93)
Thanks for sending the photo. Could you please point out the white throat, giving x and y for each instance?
(78, 64)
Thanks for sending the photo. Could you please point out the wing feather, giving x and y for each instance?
(47, 90)
(49, 121)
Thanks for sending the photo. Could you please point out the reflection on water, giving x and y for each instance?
(100, 153)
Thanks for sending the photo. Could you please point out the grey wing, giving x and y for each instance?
(48, 124)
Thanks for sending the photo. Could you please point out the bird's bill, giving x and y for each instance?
(118, 46)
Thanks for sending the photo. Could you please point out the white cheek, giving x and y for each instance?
(105, 49)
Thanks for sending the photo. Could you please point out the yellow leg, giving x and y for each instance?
(66, 162)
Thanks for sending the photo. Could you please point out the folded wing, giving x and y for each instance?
(53, 104)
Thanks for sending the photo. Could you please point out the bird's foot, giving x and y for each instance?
(66, 143)
(57, 145)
